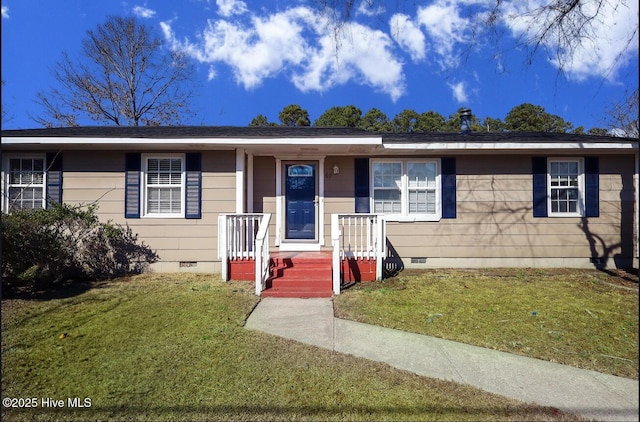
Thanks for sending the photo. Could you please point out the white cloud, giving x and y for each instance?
(227, 8)
(298, 44)
(604, 48)
(408, 35)
(143, 12)
(369, 8)
(5, 12)
(445, 28)
(364, 57)
(459, 91)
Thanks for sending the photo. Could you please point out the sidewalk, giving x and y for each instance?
(585, 393)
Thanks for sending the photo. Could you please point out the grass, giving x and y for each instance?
(583, 318)
(173, 347)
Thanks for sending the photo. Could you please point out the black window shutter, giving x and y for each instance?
(193, 189)
(132, 169)
(539, 171)
(361, 178)
(54, 178)
(592, 187)
(448, 187)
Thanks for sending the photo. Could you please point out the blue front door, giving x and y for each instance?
(300, 201)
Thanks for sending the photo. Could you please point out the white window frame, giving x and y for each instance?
(404, 215)
(144, 188)
(581, 187)
(6, 177)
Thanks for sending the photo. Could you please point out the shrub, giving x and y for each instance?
(42, 248)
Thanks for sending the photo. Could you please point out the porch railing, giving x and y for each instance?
(357, 236)
(237, 235)
(263, 255)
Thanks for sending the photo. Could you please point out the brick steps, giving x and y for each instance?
(300, 275)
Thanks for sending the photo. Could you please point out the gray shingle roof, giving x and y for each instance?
(266, 132)
(186, 132)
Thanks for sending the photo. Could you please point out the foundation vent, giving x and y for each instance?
(188, 264)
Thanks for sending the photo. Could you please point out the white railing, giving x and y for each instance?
(263, 255)
(237, 237)
(357, 236)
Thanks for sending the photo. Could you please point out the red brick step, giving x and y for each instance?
(300, 274)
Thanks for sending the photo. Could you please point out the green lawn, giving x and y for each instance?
(584, 318)
(173, 347)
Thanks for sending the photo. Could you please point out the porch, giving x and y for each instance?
(248, 252)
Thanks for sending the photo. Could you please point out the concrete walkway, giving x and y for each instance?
(585, 393)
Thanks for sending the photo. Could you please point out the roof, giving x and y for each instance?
(187, 132)
(279, 140)
(265, 132)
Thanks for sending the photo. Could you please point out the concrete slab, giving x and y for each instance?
(587, 393)
(308, 321)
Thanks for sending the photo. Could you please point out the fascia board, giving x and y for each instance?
(510, 146)
(192, 141)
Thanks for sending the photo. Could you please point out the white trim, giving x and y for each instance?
(294, 244)
(581, 187)
(4, 201)
(404, 215)
(9, 140)
(249, 182)
(515, 146)
(143, 185)
(278, 201)
(299, 247)
(239, 180)
(320, 176)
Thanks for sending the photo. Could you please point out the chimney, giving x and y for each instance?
(465, 120)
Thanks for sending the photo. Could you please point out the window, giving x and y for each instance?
(163, 185)
(25, 183)
(565, 187)
(387, 188)
(407, 189)
(163, 190)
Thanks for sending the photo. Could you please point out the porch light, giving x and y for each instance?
(336, 169)
(465, 120)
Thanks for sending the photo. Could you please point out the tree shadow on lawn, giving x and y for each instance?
(338, 411)
(63, 290)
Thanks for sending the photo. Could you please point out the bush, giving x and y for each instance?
(42, 248)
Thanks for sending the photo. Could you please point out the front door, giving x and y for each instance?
(300, 201)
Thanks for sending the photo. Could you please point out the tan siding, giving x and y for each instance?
(87, 180)
(495, 218)
(494, 209)
(264, 185)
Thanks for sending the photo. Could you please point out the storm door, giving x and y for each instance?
(300, 201)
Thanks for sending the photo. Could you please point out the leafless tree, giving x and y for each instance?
(6, 117)
(125, 76)
(560, 26)
(623, 116)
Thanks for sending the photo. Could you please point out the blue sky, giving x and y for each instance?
(256, 57)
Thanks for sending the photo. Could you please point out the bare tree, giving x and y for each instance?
(623, 116)
(124, 77)
(6, 117)
(560, 26)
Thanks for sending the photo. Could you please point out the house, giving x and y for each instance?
(246, 201)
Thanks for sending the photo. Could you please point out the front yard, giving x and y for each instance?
(584, 318)
(173, 347)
